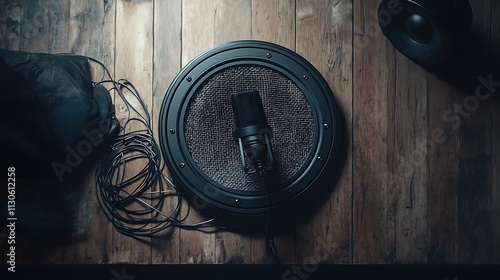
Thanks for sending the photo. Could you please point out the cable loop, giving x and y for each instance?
(134, 203)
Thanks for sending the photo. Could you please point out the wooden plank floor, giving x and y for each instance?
(422, 175)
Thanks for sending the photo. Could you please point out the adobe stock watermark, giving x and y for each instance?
(455, 116)
(75, 155)
(471, 103)
(210, 191)
(30, 27)
(309, 265)
(121, 276)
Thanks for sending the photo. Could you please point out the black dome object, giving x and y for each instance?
(426, 31)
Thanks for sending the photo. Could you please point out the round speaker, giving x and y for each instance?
(197, 123)
(426, 31)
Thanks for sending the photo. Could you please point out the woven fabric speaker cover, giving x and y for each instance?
(196, 128)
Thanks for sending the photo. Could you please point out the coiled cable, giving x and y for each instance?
(134, 203)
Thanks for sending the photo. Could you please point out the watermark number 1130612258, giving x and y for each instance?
(11, 218)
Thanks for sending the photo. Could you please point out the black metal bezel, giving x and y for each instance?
(189, 177)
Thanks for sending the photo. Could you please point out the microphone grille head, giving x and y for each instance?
(248, 109)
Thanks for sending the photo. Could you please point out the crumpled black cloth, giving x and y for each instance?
(51, 112)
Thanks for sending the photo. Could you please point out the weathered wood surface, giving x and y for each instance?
(421, 179)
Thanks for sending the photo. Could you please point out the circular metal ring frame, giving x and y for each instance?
(188, 176)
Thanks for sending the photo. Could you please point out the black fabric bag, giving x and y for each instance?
(52, 116)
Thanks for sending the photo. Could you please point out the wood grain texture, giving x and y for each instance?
(166, 65)
(134, 61)
(10, 25)
(420, 182)
(373, 203)
(45, 26)
(442, 204)
(323, 38)
(274, 21)
(408, 142)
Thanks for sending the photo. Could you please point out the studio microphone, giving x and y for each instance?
(252, 133)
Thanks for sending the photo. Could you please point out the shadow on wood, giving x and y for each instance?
(472, 60)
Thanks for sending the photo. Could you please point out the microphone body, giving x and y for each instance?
(252, 133)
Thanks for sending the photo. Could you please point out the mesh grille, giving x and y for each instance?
(209, 126)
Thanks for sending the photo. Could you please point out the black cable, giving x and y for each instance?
(134, 205)
(270, 236)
